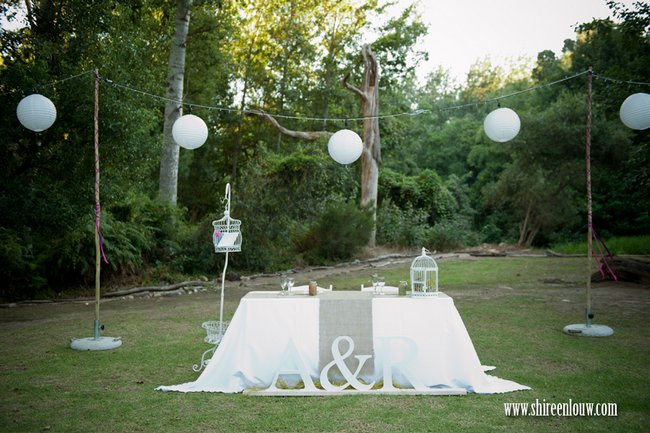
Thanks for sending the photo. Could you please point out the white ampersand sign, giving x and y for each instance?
(345, 371)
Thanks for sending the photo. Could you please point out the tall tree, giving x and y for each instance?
(617, 48)
(62, 43)
(368, 93)
(168, 183)
(371, 154)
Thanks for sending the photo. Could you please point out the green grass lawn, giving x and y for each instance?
(514, 310)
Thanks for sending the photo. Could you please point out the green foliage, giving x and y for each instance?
(421, 210)
(404, 227)
(442, 182)
(337, 234)
(394, 47)
(19, 274)
(278, 197)
(634, 245)
(452, 233)
(425, 191)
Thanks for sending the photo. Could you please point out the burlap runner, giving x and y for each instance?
(346, 313)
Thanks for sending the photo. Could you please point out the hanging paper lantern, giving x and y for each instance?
(502, 125)
(635, 111)
(190, 131)
(345, 146)
(36, 112)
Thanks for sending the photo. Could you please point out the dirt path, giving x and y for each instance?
(628, 299)
(48, 310)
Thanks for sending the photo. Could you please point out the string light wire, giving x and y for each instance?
(53, 83)
(416, 112)
(614, 80)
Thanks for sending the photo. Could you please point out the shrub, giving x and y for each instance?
(278, 199)
(196, 250)
(453, 233)
(70, 258)
(340, 232)
(18, 278)
(405, 227)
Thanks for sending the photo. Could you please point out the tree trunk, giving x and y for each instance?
(237, 144)
(168, 183)
(523, 228)
(530, 237)
(30, 14)
(234, 173)
(371, 155)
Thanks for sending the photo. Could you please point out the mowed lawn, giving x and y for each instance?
(514, 309)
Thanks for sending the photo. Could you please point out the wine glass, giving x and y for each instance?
(284, 283)
(375, 281)
(403, 285)
(380, 285)
(289, 284)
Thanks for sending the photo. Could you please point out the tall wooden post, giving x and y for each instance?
(98, 256)
(590, 236)
(96, 342)
(588, 329)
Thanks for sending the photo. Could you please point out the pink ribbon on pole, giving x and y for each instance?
(600, 250)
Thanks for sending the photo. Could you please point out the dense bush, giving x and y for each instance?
(452, 233)
(141, 238)
(19, 276)
(425, 191)
(423, 210)
(279, 197)
(338, 233)
(396, 226)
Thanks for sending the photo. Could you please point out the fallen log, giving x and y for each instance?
(157, 288)
(630, 269)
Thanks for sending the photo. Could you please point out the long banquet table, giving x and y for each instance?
(254, 347)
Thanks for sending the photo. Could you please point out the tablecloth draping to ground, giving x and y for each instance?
(252, 350)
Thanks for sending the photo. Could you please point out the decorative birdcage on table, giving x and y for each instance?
(424, 276)
(226, 238)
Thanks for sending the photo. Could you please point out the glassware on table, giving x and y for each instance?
(284, 284)
(403, 285)
(375, 281)
(380, 285)
(289, 285)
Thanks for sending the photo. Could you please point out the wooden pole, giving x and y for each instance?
(590, 246)
(97, 208)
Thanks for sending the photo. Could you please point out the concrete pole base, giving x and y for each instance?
(582, 330)
(101, 343)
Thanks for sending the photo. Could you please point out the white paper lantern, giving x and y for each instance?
(502, 125)
(345, 146)
(635, 111)
(36, 112)
(190, 131)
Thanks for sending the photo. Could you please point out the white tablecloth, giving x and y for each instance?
(252, 349)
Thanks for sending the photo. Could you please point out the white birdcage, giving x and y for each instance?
(227, 231)
(227, 235)
(424, 276)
